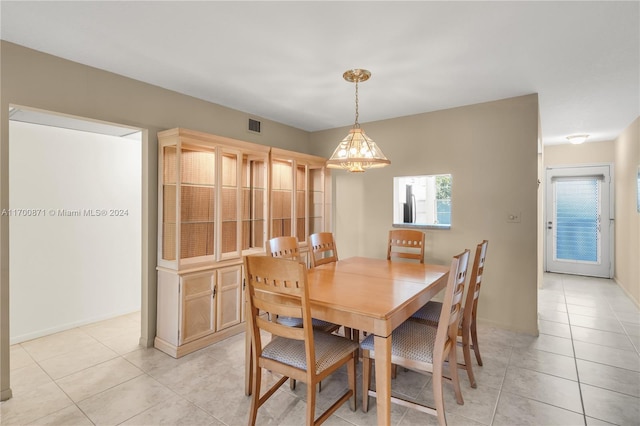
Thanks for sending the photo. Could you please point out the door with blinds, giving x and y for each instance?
(579, 221)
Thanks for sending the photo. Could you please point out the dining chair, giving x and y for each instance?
(323, 248)
(406, 244)
(323, 251)
(430, 313)
(279, 286)
(287, 248)
(424, 347)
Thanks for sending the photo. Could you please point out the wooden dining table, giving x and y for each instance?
(371, 295)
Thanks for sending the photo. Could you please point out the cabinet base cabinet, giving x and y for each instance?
(198, 308)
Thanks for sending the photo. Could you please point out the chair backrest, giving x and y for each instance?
(279, 287)
(447, 334)
(475, 281)
(323, 248)
(406, 244)
(285, 247)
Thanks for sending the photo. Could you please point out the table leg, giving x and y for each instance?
(248, 361)
(382, 347)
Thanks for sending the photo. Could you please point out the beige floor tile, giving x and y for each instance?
(631, 329)
(516, 410)
(25, 378)
(607, 355)
(545, 362)
(479, 404)
(611, 406)
(124, 401)
(111, 328)
(69, 416)
(150, 359)
(176, 411)
(600, 337)
(554, 328)
(71, 362)
(608, 377)
(35, 403)
(542, 387)
(19, 357)
(418, 418)
(126, 342)
(629, 317)
(98, 378)
(554, 344)
(555, 316)
(57, 344)
(598, 323)
(599, 312)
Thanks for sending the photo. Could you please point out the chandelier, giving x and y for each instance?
(357, 152)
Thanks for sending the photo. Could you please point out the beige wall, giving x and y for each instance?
(627, 218)
(37, 80)
(586, 153)
(491, 151)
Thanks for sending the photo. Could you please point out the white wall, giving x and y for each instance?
(67, 271)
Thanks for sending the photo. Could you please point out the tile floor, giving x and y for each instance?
(584, 368)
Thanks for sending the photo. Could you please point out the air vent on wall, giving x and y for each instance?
(254, 125)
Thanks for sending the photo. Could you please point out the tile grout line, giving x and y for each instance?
(575, 358)
(495, 408)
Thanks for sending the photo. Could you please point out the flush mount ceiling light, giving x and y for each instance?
(577, 139)
(357, 152)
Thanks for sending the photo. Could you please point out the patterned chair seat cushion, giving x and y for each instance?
(411, 340)
(317, 324)
(328, 347)
(429, 312)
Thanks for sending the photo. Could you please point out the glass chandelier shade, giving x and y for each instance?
(357, 152)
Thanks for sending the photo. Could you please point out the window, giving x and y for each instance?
(422, 201)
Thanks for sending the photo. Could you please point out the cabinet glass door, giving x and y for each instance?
(197, 199)
(254, 191)
(301, 207)
(282, 197)
(229, 204)
(316, 200)
(169, 172)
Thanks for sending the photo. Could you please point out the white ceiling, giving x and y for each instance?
(284, 61)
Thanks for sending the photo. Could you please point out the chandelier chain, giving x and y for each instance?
(357, 114)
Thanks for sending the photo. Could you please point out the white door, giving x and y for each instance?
(579, 221)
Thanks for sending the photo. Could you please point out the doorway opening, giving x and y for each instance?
(579, 221)
(76, 222)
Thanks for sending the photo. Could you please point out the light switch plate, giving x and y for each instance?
(513, 217)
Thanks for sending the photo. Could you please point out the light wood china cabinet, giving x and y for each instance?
(218, 200)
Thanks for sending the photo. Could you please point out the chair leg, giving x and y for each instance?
(474, 342)
(437, 394)
(292, 384)
(453, 371)
(366, 380)
(466, 351)
(351, 375)
(311, 404)
(394, 371)
(255, 396)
